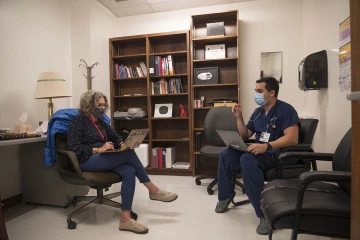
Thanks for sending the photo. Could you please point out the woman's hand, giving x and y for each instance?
(237, 111)
(257, 148)
(106, 147)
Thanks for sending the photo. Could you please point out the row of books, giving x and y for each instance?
(163, 157)
(171, 86)
(121, 71)
(161, 65)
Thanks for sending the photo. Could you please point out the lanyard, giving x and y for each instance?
(101, 135)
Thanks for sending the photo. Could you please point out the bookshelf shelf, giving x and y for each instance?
(198, 129)
(203, 108)
(170, 95)
(130, 56)
(169, 171)
(172, 118)
(139, 96)
(215, 60)
(129, 79)
(170, 76)
(170, 140)
(213, 40)
(166, 133)
(169, 53)
(216, 85)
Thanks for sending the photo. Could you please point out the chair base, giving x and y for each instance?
(214, 182)
(100, 198)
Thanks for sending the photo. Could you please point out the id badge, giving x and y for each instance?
(264, 137)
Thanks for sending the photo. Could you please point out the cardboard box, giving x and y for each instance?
(20, 128)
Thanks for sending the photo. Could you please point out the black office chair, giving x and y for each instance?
(69, 170)
(311, 204)
(218, 118)
(306, 136)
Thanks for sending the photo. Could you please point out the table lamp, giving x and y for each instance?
(51, 85)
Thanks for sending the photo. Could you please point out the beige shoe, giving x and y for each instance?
(164, 196)
(133, 226)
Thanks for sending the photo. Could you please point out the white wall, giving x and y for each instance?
(321, 19)
(34, 38)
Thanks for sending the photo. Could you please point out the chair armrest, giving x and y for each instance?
(310, 156)
(306, 156)
(333, 176)
(301, 146)
(73, 159)
(309, 177)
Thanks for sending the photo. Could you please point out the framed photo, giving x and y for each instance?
(163, 110)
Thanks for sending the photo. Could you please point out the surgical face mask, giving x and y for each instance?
(99, 112)
(259, 99)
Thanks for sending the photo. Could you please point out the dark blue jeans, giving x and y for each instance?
(126, 164)
(252, 170)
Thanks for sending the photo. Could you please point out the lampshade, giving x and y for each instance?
(51, 85)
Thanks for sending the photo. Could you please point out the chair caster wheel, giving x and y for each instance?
(210, 191)
(74, 201)
(133, 215)
(71, 224)
(198, 182)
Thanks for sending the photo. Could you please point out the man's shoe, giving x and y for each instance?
(263, 228)
(223, 205)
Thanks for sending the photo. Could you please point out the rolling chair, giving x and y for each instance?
(306, 136)
(311, 204)
(69, 170)
(218, 118)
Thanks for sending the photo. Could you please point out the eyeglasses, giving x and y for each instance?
(102, 105)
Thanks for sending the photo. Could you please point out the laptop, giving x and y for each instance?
(233, 140)
(135, 138)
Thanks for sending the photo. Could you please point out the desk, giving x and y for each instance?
(22, 172)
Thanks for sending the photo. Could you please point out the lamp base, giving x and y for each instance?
(50, 108)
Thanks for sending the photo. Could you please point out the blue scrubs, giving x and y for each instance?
(280, 117)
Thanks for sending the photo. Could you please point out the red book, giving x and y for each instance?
(160, 161)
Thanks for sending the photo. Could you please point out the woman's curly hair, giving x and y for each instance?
(89, 101)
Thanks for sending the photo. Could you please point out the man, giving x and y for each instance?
(276, 125)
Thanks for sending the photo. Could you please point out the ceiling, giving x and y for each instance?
(122, 8)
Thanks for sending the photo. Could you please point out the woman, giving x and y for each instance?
(89, 136)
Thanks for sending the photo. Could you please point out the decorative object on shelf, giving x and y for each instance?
(163, 110)
(215, 29)
(88, 69)
(183, 112)
(217, 51)
(51, 85)
(207, 75)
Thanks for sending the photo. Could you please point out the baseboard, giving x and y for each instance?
(11, 201)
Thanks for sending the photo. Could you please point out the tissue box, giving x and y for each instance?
(23, 128)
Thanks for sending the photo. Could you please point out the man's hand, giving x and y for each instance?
(106, 147)
(237, 110)
(257, 148)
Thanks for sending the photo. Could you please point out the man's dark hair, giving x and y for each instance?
(270, 84)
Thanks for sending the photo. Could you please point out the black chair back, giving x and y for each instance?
(307, 130)
(218, 118)
(342, 159)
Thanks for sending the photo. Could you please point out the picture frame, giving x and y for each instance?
(163, 110)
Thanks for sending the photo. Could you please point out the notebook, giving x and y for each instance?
(233, 140)
(135, 138)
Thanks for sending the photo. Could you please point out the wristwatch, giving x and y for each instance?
(269, 147)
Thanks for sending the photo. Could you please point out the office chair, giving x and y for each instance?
(218, 118)
(69, 170)
(306, 136)
(311, 204)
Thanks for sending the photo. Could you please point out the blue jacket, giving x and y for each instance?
(59, 123)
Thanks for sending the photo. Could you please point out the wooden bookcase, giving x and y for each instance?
(165, 132)
(228, 75)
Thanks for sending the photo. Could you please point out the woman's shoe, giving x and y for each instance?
(133, 226)
(164, 196)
